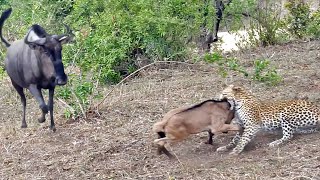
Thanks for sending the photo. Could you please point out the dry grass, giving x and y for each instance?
(118, 144)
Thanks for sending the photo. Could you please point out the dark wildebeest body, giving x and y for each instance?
(35, 63)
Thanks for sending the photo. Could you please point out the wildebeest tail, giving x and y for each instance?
(159, 128)
(4, 16)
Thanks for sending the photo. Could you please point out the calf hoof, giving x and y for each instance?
(222, 149)
(41, 119)
(208, 142)
(44, 109)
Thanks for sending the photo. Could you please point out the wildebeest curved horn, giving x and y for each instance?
(69, 31)
(67, 37)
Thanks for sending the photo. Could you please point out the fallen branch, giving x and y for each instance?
(132, 74)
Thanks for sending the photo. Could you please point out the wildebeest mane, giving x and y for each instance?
(202, 103)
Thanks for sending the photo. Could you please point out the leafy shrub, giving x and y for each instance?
(313, 28)
(263, 22)
(114, 32)
(78, 95)
(263, 71)
(225, 64)
(298, 18)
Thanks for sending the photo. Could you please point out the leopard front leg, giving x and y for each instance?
(247, 136)
(231, 145)
(287, 131)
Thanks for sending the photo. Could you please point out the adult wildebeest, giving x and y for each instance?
(35, 63)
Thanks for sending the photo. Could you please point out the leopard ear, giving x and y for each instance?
(236, 88)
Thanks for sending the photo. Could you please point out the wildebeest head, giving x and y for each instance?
(47, 49)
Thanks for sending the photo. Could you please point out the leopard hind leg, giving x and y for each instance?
(306, 130)
(287, 133)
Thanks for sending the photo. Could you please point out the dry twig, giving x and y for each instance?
(96, 107)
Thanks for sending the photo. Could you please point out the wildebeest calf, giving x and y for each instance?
(35, 63)
(211, 115)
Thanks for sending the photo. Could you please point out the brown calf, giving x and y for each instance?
(211, 115)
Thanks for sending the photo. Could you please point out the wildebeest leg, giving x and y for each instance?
(36, 92)
(219, 9)
(50, 104)
(23, 101)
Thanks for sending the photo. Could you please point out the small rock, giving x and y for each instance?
(284, 174)
(273, 175)
(66, 168)
(48, 163)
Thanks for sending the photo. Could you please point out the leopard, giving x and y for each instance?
(289, 116)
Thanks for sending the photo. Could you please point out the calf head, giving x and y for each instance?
(47, 49)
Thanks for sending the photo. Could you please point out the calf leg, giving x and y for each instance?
(210, 135)
(36, 92)
(23, 101)
(50, 103)
(161, 148)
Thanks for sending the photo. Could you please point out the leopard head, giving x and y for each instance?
(236, 95)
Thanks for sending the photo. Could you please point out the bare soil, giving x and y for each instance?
(118, 143)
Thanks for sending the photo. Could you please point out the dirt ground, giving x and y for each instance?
(118, 143)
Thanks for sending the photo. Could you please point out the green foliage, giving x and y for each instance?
(2, 72)
(112, 32)
(263, 72)
(298, 18)
(225, 64)
(78, 94)
(109, 37)
(264, 25)
(313, 28)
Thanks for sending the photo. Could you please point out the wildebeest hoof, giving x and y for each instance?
(53, 128)
(24, 126)
(44, 109)
(42, 120)
(208, 142)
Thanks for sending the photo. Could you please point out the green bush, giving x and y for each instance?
(263, 22)
(112, 33)
(225, 64)
(263, 71)
(298, 19)
(78, 95)
(313, 28)
(110, 37)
